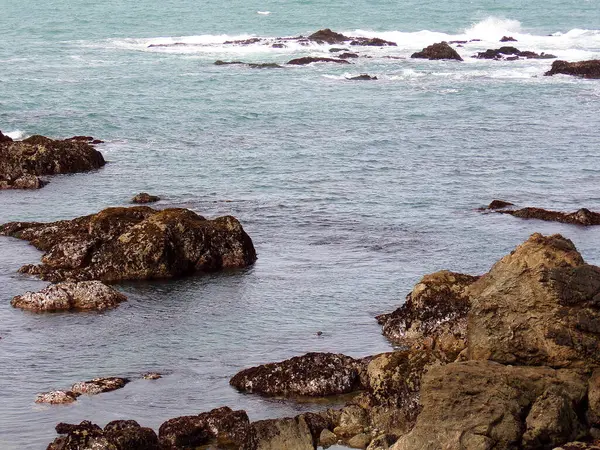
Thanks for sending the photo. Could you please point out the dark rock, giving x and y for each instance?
(457, 42)
(22, 162)
(84, 295)
(508, 39)
(245, 41)
(99, 385)
(264, 66)
(278, 45)
(135, 243)
(582, 216)
(373, 42)
(363, 77)
(311, 59)
(312, 375)
(440, 50)
(585, 69)
(337, 50)
(88, 139)
(499, 204)
(227, 63)
(502, 52)
(328, 36)
(4, 138)
(434, 315)
(144, 197)
(347, 55)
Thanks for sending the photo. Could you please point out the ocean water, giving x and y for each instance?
(351, 191)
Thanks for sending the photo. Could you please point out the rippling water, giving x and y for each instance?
(351, 191)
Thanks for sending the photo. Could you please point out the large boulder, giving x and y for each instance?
(433, 316)
(135, 243)
(479, 405)
(441, 50)
(312, 375)
(23, 161)
(84, 295)
(329, 37)
(584, 69)
(540, 305)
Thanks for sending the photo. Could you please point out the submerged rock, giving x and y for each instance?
(498, 204)
(312, 59)
(57, 397)
(440, 50)
(363, 77)
(152, 376)
(585, 69)
(251, 65)
(84, 295)
(22, 162)
(372, 42)
(312, 375)
(582, 216)
(99, 385)
(347, 55)
(135, 243)
(144, 197)
(283, 434)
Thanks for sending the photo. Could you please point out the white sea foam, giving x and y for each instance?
(263, 13)
(16, 135)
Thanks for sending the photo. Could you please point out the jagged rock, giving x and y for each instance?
(363, 77)
(382, 442)
(508, 39)
(282, 434)
(23, 161)
(537, 306)
(513, 53)
(117, 435)
(4, 138)
(433, 316)
(316, 423)
(313, 374)
(585, 69)
(327, 438)
(135, 243)
(328, 36)
(57, 397)
(483, 405)
(144, 197)
(84, 295)
(440, 50)
(221, 426)
(582, 216)
(99, 385)
(312, 59)
(372, 42)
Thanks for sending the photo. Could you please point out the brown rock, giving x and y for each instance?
(361, 440)
(144, 197)
(313, 375)
(151, 376)
(57, 397)
(433, 316)
(372, 42)
(99, 385)
(440, 50)
(327, 438)
(328, 36)
(582, 216)
(282, 434)
(363, 77)
(585, 69)
(311, 59)
(135, 243)
(84, 295)
(511, 54)
(593, 414)
(537, 306)
(4, 138)
(508, 39)
(499, 204)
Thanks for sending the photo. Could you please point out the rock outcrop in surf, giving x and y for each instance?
(584, 69)
(22, 163)
(441, 50)
(135, 243)
(582, 216)
(511, 54)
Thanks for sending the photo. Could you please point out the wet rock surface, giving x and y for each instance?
(84, 295)
(313, 59)
(441, 50)
(144, 197)
(508, 39)
(511, 53)
(363, 77)
(99, 385)
(311, 375)
(582, 216)
(584, 69)
(135, 243)
(23, 162)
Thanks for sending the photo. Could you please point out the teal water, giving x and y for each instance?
(351, 191)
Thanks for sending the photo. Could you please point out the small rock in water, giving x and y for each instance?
(508, 39)
(499, 204)
(144, 197)
(312, 59)
(151, 376)
(57, 397)
(319, 333)
(363, 77)
(99, 385)
(441, 50)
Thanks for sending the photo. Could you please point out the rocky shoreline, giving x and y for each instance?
(504, 360)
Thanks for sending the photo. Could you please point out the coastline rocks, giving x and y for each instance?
(582, 216)
(363, 77)
(585, 69)
(433, 316)
(372, 42)
(99, 385)
(511, 54)
(135, 243)
(251, 65)
(311, 375)
(508, 39)
(22, 161)
(152, 376)
(117, 435)
(312, 59)
(85, 295)
(144, 197)
(440, 50)
(4, 138)
(539, 305)
(283, 434)
(329, 37)
(483, 405)
(57, 397)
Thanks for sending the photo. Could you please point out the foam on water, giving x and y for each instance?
(16, 135)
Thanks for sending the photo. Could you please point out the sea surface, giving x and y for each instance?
(351, 191)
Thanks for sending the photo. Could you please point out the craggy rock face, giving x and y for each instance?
(136, 243)
(583, 216)
(98, 385)
(484, 405)
(540, 305)
(585, 69)
(314, 375)
(440, 50)
(85, 295)
(222, 426)
(21, 163)
(117, 435)
(433, 316)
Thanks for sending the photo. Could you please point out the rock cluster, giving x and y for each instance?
(511, 54)
(441, 50)
(91, 387)
(584, 69)
(135, 243)
(22, 163)
(84, 295)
